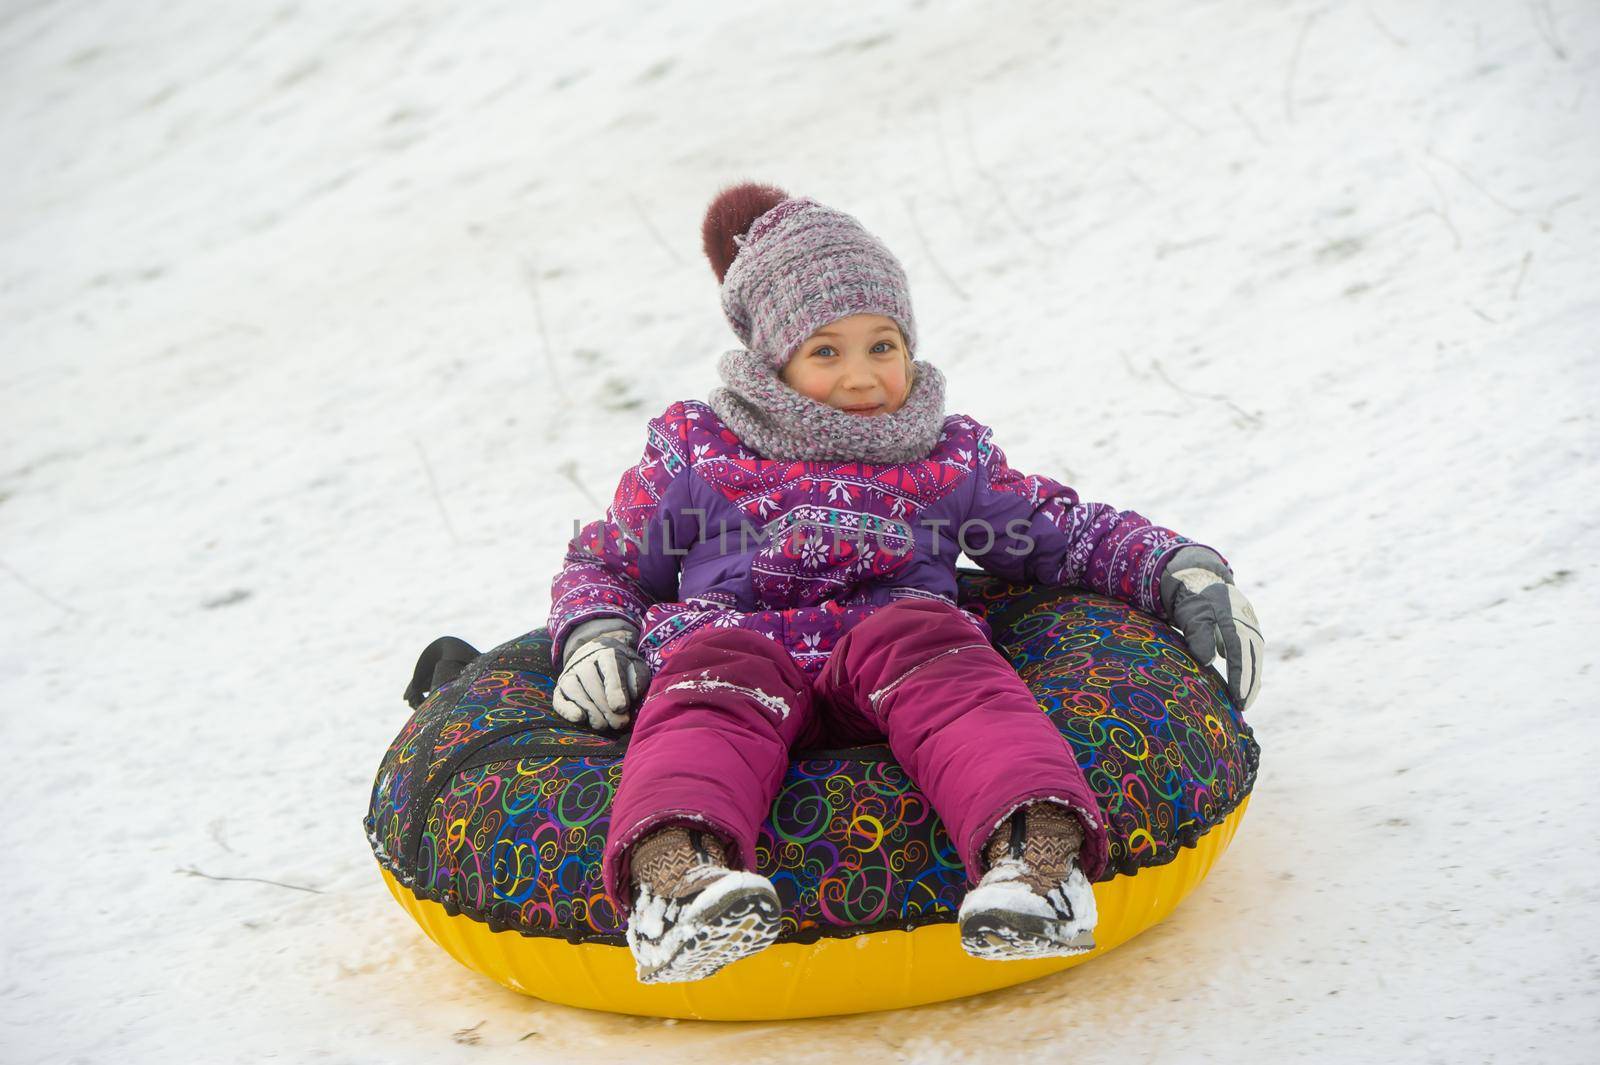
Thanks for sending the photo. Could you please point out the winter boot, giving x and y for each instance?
(1034, 902)
(691, 913)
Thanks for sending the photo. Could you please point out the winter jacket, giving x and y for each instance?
(705, 531)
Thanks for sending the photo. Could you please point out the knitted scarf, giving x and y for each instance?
(780, 423)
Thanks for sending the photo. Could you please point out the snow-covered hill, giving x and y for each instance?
(321, 324)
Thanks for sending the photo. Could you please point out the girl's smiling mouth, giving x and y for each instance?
(863, 408)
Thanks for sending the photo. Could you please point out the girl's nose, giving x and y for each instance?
(859, 376)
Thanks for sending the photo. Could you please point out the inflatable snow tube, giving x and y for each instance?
(489, 812)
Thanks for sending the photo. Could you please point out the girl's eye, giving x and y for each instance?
(819, 351)
(887, 345)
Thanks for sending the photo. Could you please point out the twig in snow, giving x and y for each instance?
(911, 207)
(1444, 216)
(1153, 98)
(1106, 156)
(1547, 27)
(1517, 286)
(1376, 21)
(433, 486)
(654, 232)
(999, 191)
(40, 592)
(1253, 419)
(956, 198)
(216, 834)
(1547, 223)
(1470, 180)
(1137, 180)
(1251, 126)
(192, 871)
(569, 470)
(1294, 62)
(1443, 212)
(531, 275)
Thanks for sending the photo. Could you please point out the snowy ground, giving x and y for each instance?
(323, 322)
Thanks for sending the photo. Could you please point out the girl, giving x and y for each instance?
(779, 571)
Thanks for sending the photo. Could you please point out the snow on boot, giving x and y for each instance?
(1034, 902)
(691, 913)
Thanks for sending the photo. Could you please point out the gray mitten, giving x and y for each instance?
(603, 676)
(1198, 595)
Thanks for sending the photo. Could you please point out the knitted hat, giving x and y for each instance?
(790, 265)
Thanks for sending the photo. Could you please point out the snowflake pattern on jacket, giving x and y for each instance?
(705, 531)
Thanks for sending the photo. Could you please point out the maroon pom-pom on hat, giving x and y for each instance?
(730, 215)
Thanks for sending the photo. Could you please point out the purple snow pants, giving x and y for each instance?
(711, 740)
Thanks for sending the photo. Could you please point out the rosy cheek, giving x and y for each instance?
(799, 381)
(813, 388)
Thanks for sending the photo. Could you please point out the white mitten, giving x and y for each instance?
(603, 676)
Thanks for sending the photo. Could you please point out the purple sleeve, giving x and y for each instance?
(1091, 545)
(621, 564)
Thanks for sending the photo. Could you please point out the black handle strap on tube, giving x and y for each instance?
(441, 662)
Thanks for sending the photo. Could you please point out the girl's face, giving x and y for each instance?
(858, 364)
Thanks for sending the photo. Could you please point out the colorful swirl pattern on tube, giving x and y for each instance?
(491, 805)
